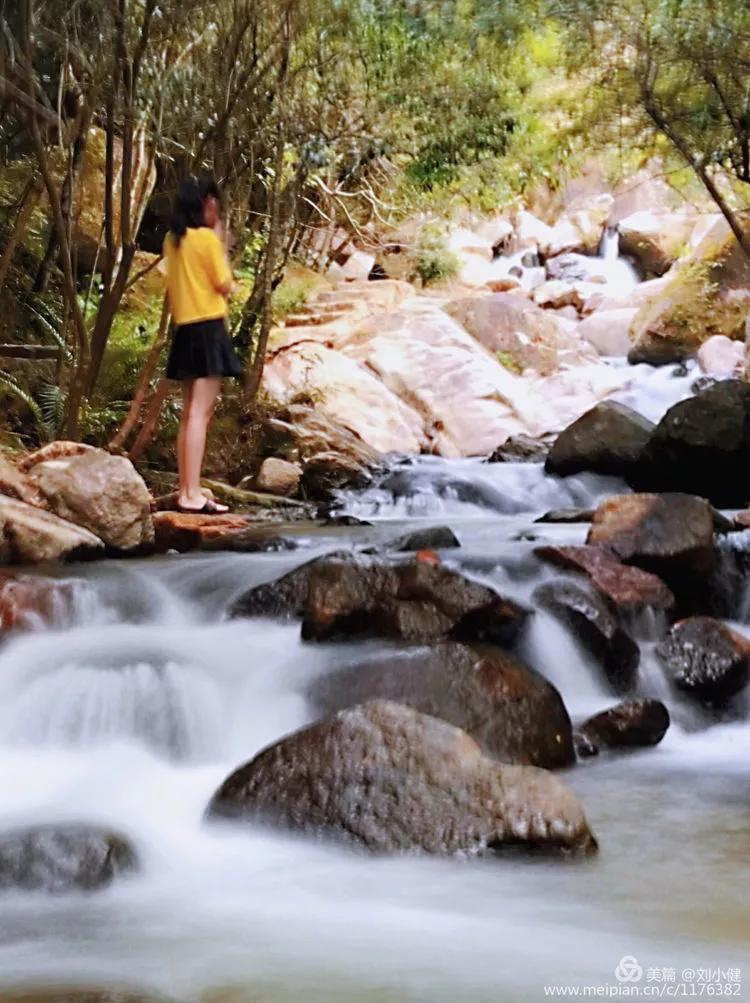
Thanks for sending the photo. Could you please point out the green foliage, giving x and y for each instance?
(292, 295)
(435, 262)
(507, 361)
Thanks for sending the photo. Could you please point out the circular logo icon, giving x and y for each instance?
(628, 970)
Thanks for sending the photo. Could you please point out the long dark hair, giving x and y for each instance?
(187, 211)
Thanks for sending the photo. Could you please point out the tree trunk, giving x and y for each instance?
(150, 422)
(141, 390)
(28, 203)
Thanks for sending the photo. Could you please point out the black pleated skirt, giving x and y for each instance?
(202, 349)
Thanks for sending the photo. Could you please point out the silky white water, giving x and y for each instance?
(132, 715)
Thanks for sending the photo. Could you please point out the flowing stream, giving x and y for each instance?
(132, 709)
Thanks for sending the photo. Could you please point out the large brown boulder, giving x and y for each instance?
(512, 712)
(706, 659)
(628, 588)
(608, 439)
(598, 630)
(29, 535)
(702, 446)
(670, 535)
(633, 724)
(415, 601)
(385, 778)
(103, 493)
(62, 858)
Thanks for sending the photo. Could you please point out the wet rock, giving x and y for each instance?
(326, 473)
(416, 601)
(702, 446)
(185, 531)
(278, 477)
(434, 538)
(633, 724)
(706, 659)
(286, 597)
(102, 493)
(627, 587)
(512, 712)
(670, 535)
(520, 449)
(345, 520)
(27, 603)
(567, 515)
(385, 778)
(29, 535)
(608, 439)
(596, 628)
(62, 858)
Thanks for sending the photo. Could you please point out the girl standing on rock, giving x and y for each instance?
(199, 281)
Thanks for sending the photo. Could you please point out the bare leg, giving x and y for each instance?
(187, 397)
(202, 401)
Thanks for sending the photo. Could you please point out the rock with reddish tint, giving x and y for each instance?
(100, 492)
(706, 659)
(633, 724)
(627, 587)
(608, 439)
(29, 535)
(27, 602)
(387, 779)
(16, 484)
(61, 449)
(512, 712)
(671, 535)
(184, 531)
(62, 858)
(596, 628)
(416, 601)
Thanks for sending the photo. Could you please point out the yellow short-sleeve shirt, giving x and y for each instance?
(197, 269)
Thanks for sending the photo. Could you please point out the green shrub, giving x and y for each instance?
(435, 262)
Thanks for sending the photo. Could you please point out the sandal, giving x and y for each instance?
(209, 507)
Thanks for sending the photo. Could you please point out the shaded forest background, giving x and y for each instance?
(325, 121)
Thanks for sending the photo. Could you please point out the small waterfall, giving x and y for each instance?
(609, 249)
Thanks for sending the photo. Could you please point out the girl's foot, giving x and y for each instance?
(201, 506)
